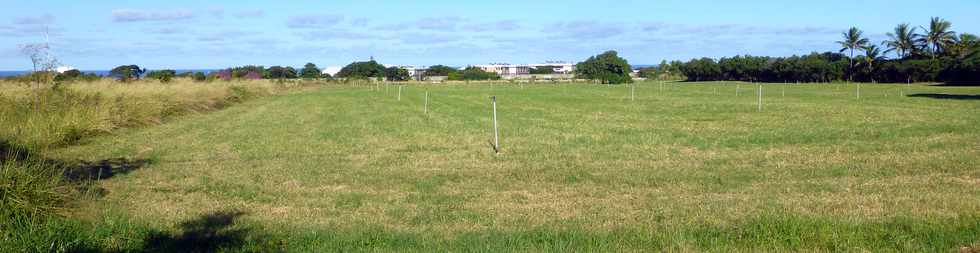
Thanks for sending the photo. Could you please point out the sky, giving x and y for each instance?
(198, 34)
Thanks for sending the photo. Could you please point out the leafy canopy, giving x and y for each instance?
(440, 70)
(396, 74)
(362, 70)
(607, 67)
(127, 72)
(310, 71)
(163, 75)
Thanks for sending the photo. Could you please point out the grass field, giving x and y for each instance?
(685, 167)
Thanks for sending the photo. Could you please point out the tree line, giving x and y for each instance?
(937, 54)
(354, 71)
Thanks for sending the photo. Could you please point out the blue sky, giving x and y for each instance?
(184, 34)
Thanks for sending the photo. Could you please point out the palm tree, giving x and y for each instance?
(964, 46)
(872, 54)
(937, 36)
(902, 41)
(853, 39)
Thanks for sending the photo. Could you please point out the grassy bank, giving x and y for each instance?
(686, 166)
(38, 194)
(64, 114)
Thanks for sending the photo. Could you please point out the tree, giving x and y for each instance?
(853, 39)
(964, 46)
(163, 75)
(362, 70)
(704, 69)
(127, 72)
(473, 73)
(310, 71)
(440, 70)
(43, 62)
(200, 77)
(937, 36)
(244, 72)
(607, 67)
(872, 54)
(396, 74)
(902, 41)
(279, 72)
(69, 75)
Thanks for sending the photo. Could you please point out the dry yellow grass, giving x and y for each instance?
(62, 114)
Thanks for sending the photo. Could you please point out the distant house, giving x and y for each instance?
(62, 69)
(558, 67)
(510, 71)
(504, 69)
(332, 70)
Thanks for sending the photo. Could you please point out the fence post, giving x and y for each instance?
(426, 107)
(858, 90)
(760, 97)
(399, 93)
(496, 135)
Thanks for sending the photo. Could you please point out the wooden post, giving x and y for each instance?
(496, 135)
(426, 107)
(399, 93)
(858, 90)
(760, 97)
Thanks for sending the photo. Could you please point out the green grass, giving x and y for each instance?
(690, 167)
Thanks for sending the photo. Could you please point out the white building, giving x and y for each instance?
(504, 69)
(332, 70)
(63, 68)
(559, 67)
(511, 70)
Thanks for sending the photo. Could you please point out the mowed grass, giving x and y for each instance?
(685, 167)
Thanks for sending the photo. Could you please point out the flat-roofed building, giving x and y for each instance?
(558, 67)
(504, 69)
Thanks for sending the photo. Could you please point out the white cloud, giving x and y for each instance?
(44, 19)
(250, 14)
(133, 15)
(217, 12)
(584, 30)
(503, 25)
(314, 21)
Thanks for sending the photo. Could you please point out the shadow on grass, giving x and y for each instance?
(101, 170)
(208, 233)
(74, 171)
(945, 96)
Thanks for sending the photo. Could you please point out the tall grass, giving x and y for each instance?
(58, 115)
(32, 195)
